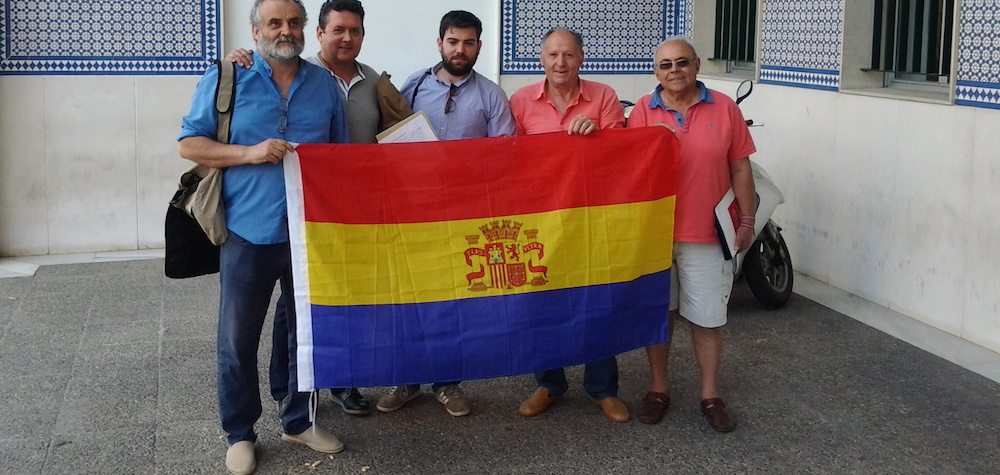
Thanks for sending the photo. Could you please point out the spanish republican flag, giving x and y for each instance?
(441, 261)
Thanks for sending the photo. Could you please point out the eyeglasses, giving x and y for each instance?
(450, 105)
(680, 63)
(283, 120)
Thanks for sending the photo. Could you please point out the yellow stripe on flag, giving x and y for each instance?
(426, 262)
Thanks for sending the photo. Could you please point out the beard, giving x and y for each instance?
(458, 69)
(283, 48)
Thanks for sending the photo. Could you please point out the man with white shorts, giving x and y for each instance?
(713, 156)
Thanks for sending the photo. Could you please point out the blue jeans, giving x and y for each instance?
(247, 273)
(600, 379)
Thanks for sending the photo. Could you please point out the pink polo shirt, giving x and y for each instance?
(534, 113)
(713, 134)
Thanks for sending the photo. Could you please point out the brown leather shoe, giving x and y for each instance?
(613, 408)
(537, 403)
(652, 408)
(718, 416)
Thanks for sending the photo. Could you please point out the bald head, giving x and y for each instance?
(680, 41)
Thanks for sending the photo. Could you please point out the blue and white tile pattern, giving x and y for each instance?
(801, 43)
(610, 48)
(108, 36)
(978, 79)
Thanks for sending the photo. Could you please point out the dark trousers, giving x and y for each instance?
(247, 275)
(600, 379)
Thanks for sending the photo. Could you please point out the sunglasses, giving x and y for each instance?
(283, 119)
(450, 105)
(680, 63)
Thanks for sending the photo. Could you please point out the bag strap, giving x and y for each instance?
(416, 88)
(225, 97)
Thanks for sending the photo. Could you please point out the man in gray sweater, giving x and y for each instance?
(341, 32)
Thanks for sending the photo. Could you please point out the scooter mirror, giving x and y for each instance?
(744, 90)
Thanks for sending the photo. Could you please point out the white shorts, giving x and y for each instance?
(701, 280)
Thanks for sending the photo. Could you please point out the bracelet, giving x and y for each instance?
(746, 225)
(748, 218)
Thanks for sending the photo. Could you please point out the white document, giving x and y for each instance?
(726, 221)
(415, 128)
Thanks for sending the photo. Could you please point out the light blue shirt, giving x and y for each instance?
(480, 107)
(254, 195)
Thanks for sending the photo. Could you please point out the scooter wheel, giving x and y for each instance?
(768, 270)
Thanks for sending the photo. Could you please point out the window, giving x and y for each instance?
(912, 42)
(736, 34)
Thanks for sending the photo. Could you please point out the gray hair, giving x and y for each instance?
(677, 39)
(257, 21)
(576, 36)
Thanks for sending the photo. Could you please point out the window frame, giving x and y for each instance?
(861, 75)
(707, 38)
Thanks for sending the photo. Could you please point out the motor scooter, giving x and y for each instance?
(766, 265)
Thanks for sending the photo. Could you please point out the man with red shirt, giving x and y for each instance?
(714, 155)
(564, 102)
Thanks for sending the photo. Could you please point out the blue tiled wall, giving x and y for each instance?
(108, 36)
(978, 80)
(801, 43)
(619, 35)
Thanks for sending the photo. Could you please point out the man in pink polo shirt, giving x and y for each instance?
(714, 155)
(564, 102)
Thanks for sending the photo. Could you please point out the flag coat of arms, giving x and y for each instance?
(453, 260)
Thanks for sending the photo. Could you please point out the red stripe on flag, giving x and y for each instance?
(481, 178)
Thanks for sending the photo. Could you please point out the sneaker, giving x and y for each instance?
(454, 400)
(396, 397)
(316, 439)
(240, 458)
(351, 401)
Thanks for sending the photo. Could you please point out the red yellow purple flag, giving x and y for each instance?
(453, 260)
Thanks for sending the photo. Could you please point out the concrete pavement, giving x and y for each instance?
(109, 368)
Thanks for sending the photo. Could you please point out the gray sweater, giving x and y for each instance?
(361, 105)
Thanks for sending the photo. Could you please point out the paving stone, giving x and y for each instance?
(23, 454)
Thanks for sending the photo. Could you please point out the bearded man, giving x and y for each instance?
(279, 100)
(460, 104)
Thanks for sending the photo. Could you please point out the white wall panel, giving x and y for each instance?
(928, 244)
(159, 109)
(23, 179)
(981, 309)
(90, 127)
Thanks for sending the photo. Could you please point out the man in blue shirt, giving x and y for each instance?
(279, 100)
(460, 104)
(340, 33)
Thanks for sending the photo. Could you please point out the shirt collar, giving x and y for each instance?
(655, 101)
(538, 89)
